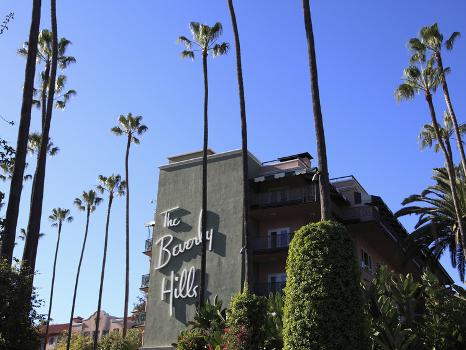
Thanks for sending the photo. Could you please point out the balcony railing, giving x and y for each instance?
(140, 318)
(303, 194)
(145, 281)
(267, 288)
(362, 213)
(148, 245)
(275, 242)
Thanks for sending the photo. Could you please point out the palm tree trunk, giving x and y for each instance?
(76, 282)
(102, 273)
(244, 146)
(450, 170)
(125, 311)
(451, 112)
(204, 183)
(324, 183)
(53, 284)
(16, 185)
(35, 214)
(44, 92)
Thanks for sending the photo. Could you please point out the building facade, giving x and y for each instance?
(283, 197)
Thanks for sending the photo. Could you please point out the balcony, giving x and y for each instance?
(267, 288)
(296, 195)
(145, 282)
(362, 213)
(148, 247)
(273, 242)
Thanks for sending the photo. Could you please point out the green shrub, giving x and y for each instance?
(192, 339)
(324, 306)
(115, 341)
(78, 342)
(246, 321)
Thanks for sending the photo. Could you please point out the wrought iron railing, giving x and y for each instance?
(273, 242)
(145, 281)
(267, 288)
(302, 194)
(148, 245)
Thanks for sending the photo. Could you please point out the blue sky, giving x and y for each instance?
(128, 61)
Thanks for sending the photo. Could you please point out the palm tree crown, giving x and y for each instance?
(35, 139)
(205, 39)
(416, 80)
(88, 201)
(428, 138)
(59, 215)
(130, 125)
(111, 184)
(437, 227)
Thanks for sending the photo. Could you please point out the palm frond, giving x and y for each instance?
(220, 49)
(187, 54)
(451, 40)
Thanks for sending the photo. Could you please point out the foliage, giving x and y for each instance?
(205, 39)
(115, 341)
(409, 314)
(6, 21)
(78, 342)
(274, 322)
(192, 339)
(437, 229)
(210, 316)
(18, 315)
(323, 304)
(246, 321)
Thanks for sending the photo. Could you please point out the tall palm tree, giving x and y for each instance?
(205, 41)
(16, 185)
(114, 186)
(35, 213)
(58, 217)
(324, 182)
(244, 143)
(437, 228)
(430, 39)
(426, 80)
(88, 202)
(129, 126)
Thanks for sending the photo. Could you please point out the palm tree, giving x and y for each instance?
(244, 143)
(324, 182)
(114, 186)
(428, 138)
(58, 217)
(426, 80)
(22, 234)
(205, 40)
(55, 58)
(430, 39)
(437, 228)
(8, 169)
(88, 202)
(16, 185)
(129, 126)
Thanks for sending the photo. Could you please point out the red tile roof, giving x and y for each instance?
(54, 329)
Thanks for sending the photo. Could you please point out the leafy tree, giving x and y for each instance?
(324, 182)
(114, 187)
(77, 342)
(244, 141)
(16, 185)
(129, 126)
(6, 21)
(88, 202)
(323, 301)
(58, 217)
(437, 229)
(204, 40)
(424, 78)
(430, 39)
(274, 323)
(18, 309)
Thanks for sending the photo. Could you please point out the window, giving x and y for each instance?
(51, 340)
(277, 282)
(279, 238)
(357, 198)
(366, 261)
(278, 195)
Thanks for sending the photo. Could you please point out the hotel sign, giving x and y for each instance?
(181, 284)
